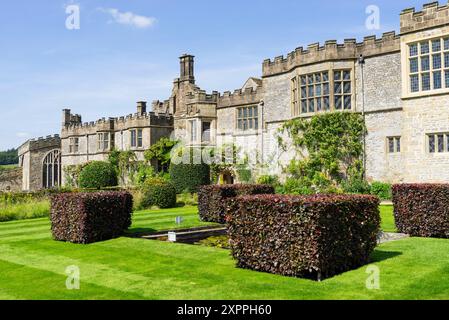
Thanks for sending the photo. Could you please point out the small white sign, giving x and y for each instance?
(172, 236)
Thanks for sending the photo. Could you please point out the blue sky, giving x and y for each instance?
(126, 51)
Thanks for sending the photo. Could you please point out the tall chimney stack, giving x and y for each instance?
(187, 68)
(141, 107)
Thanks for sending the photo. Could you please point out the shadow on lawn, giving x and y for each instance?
(138, 232)
(379, 255)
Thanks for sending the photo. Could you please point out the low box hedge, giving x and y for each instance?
(90, 217)
(422, 210)
(211, 199)
(312, 237)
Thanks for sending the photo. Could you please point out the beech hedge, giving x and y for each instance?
(313, 237)
(211, 199)
(90, 217)
(421, 210)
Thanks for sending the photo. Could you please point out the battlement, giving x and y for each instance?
(240, 97)
(200, 96)
(51, 141)
(432, 15)
(333, 51)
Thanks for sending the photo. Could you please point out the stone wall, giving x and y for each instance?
(11, 179)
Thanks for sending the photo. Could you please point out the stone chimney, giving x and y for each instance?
(141, 107)
(187, 68)
(66, 117)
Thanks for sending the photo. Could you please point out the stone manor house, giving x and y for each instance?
(400, 82)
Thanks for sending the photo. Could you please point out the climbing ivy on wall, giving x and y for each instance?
(328, 152)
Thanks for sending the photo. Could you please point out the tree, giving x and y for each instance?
(161, 152)
(9, 157)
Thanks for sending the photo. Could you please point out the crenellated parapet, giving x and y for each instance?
(432, 15)
(333, 51)
(200, 96)
(240, 97)
(52, 141)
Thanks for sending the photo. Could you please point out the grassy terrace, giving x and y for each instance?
(33, 267)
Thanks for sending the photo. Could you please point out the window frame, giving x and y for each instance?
(436, 143)
(323, 101)
(248, 115)
(136, 138)
(74, 145)
(103, 144)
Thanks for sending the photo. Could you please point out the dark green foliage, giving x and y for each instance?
(9, 157)
(303, 236)
(161, 152)
(97, 175)
(189, 177)
(382, 190)
(421, 210)
(356, 185)
(212, 199)
(245, 175)
(157, 192)
(90, 217)
(268, 179)
(329, 149)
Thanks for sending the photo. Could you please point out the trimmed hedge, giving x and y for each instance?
(212, 199)
(312, 237)
(158, 193)
(189, 177)
(97, 175)
(421, 210)
(90, 217)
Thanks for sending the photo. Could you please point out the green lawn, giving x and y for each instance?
(33, 267)
(386, 213)
(7, 166)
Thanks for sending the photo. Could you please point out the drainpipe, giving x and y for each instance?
(362, 64)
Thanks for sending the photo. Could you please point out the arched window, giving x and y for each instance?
(51, 171)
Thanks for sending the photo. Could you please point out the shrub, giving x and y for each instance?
(90, 217)
(189, 177)
(382, 190)
(268, 179)
(356, 185)
(158, 192)
(420, 210)
(211, 199)
(97, 175)
(304, 236)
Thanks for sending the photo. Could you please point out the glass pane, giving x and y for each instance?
(337, 88)
(446, 44)
(338, 102)
(436, 45)
(437, 80)
(414, 82)
(432, 144)
(424, 47)
(250, 112)
(303, 80)
(318, 77)
(326, 102)
(245, 124)
(398, 144)
(311, 105)
(245, 112)
(256, 112)
(425, 63)
(347, 75)
(240, 113)
(425, 81)
(303, 92)
(318, 104)
(256, 124)
(347, 87)
(447, 78)
(413, 50)
(436, 61)
(441, 143)
(311, 91)
(347, 102)
(318, 90)
(325, 76)
(391, 145)
(326, 89)
(240, 125)
(310, 79)
(304, 106)
(337, 75)
(446, 60)
(414, 65)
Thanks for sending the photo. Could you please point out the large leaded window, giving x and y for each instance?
(322, 91)
(103, 141)
(51, 170)
(429, 65)
(248, 118)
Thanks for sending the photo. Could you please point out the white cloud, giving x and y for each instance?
(131, 19)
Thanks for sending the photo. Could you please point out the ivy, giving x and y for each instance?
(328, 151)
